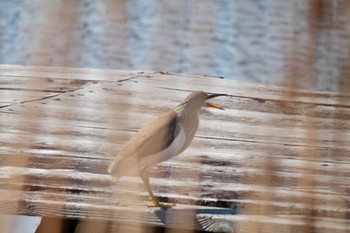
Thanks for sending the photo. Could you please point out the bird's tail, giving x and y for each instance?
(113, 170)
(122, 167)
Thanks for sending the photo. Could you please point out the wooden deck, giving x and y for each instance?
(278, 156)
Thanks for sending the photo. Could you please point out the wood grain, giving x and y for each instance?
(61, 127)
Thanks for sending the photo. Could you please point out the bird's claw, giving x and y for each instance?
(162, 206)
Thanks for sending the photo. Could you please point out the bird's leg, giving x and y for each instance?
(145, 179)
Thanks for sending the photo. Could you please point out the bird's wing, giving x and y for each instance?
(151, 139)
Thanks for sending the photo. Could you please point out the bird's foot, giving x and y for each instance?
(162, 206)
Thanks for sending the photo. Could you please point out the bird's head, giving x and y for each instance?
(196, 100)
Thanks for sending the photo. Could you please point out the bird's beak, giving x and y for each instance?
(214, 105)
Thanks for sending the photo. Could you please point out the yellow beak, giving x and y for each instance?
(214, 105)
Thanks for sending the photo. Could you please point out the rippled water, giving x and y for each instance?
(250, 40)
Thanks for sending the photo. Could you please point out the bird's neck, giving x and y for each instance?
(189, 122)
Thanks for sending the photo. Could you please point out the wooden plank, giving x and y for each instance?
(61, 127)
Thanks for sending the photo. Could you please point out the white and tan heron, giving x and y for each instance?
(161, 139)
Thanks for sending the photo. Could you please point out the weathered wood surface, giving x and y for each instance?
(61, 127)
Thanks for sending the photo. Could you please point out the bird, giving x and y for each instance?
(161, 139)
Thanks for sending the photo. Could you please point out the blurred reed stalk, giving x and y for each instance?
(124, 192)
(52, 45)
(306, 52)
(53, 40)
